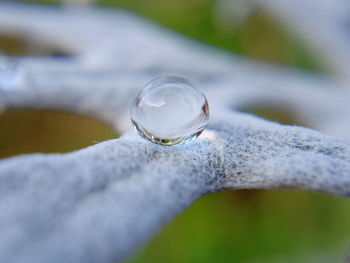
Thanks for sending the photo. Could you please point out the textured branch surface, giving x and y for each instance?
(100, 203)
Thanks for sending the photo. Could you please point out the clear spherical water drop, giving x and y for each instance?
(169, 110)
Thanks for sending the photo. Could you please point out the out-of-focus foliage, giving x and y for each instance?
(28, 131)
(243, 226)
(19, 45)
(12, 45)
(255, 226)
(258, 37)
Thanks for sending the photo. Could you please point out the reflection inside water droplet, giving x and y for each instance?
(169, 110)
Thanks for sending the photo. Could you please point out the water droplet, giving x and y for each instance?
(169, 110)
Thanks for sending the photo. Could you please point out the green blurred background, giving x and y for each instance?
(236, 226)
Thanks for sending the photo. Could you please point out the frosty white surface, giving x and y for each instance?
(169, 110)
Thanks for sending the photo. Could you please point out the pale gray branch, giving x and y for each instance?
(99, 203)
